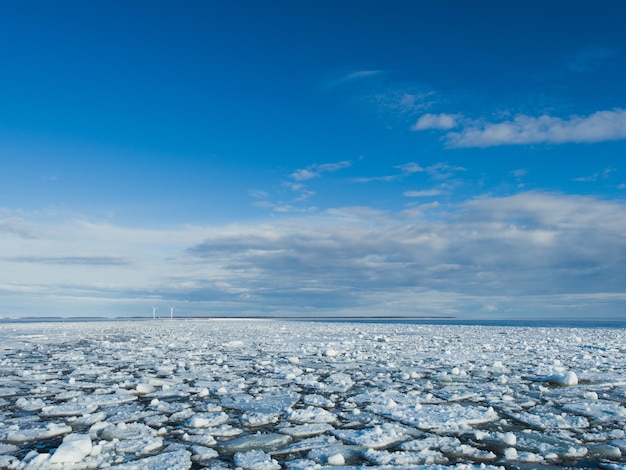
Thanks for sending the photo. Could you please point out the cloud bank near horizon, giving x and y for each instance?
(534, 253)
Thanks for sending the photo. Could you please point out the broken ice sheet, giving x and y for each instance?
(310, 394)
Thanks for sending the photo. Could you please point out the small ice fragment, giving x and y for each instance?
(144, 388)
(510, 453)
(336, 459)
(509, 439)
(568, 379)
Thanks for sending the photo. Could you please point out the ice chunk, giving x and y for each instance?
(318, 400)
(126, 431)
(311, 414)
(318, 442)
(75, 447)
(17, 435)
(568, 379)
(202, 454)
(306, 430)
(542, 419)
(601, 410)
(270, 402)
(436, 416)
(423, 457)
(255, 419)
(179, 460)
(9, 462)
(336, 460)
(322, 454)
(442, 443)
(375, 437)
(68, 409)
(259, 441)
(255, 460)
(145, 388)
(206, 420)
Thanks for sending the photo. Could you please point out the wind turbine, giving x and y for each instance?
(171, 312)
(154, 313)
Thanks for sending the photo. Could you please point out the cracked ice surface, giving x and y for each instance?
(301, 395)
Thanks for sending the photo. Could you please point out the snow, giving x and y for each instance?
(277, 394)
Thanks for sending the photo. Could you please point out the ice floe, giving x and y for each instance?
(264, 395)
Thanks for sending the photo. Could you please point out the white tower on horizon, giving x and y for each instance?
(171, 312)
(154, 313)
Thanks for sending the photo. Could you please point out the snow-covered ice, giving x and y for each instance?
(285, 394)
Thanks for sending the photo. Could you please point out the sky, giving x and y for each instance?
(313, 158)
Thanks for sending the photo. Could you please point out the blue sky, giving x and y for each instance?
(313, 158)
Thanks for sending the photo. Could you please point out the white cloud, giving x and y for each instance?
(353, 77)
(544, 252)
(423, 193)
(597, 127)
(520, 172)
(316, 170)
(18, 226)
(410, 168)
(436, 121)
(594, 177)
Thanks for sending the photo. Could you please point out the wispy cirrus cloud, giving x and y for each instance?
(423, 193)
(595, 176)
(523, 129)
(352, 78)
(437, 171)
(316, 170)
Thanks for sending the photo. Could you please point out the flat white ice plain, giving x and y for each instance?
(263, 395)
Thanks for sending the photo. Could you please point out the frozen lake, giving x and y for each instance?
(265, 395)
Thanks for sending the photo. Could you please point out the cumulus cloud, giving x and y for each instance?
(436, 121)
(597, 127)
